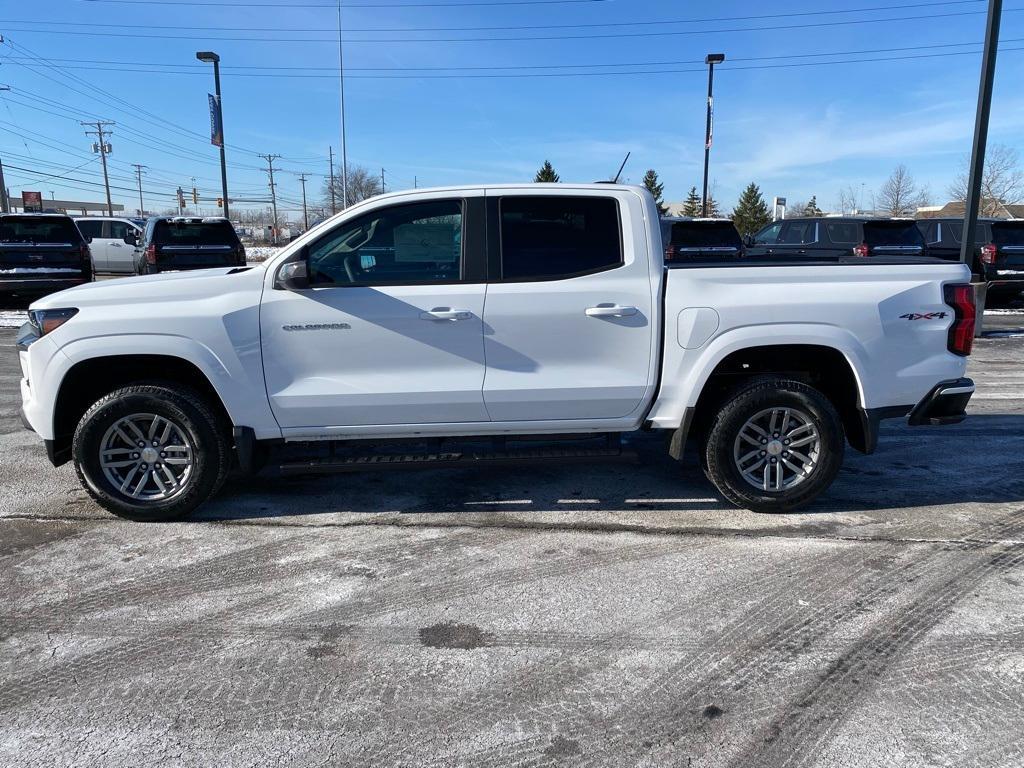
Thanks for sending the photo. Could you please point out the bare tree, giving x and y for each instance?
(362, 184)
(796, 208)
(900, 195)
(1002, 181)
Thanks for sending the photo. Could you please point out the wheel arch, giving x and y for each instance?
(89, 379)
(824, 367)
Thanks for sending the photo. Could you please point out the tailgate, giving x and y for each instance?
(197, 255)
(39, 260)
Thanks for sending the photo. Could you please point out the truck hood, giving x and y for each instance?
(168, 286)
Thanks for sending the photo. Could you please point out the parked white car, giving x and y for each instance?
(113, 243)
(500, 312)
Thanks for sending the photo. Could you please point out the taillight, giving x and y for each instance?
(862, 250)
(988, 253)
(84, 252)
(961, 333)
(151, 254)
(241, 254)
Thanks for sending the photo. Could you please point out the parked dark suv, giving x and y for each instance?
(998, 251)
(838, 238)
(186, 242)
(700, 240)
(41, 253)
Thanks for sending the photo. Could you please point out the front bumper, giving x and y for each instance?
(946, 403)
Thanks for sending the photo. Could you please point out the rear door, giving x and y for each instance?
(568, 323)
(899, 237)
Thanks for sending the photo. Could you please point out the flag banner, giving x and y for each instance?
(216, 122)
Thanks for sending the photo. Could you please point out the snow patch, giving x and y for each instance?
(261, 253)
(12, 319)
(34, 270)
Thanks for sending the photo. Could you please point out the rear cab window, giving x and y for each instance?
(955, 230)
(1009, 233)
(709, 234)
(558, 237)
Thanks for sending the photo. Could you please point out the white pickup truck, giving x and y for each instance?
(527, 322)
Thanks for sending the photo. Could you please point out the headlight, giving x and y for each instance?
(48, 320)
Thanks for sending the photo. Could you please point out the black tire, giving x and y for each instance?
(190, 414)
(756, 397)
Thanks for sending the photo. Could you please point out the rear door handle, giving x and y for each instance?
(445, 313)
(611, 310)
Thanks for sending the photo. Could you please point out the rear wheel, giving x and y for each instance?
(775, 446)
(148, 452)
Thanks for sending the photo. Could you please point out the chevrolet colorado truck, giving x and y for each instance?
(471, 326)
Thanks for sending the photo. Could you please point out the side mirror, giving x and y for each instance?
(131, 238)
(293, 276)
(88, 238)
(748, 241)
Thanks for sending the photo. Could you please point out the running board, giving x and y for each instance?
(458, 459)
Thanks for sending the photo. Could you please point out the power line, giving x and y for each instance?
(285, 6)
(506, 27)
(520, 38)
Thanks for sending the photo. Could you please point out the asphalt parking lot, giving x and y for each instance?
(557, 615)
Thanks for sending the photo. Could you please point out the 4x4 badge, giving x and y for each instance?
(923, 316)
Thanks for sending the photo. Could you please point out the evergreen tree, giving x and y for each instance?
(546, 173)
(714, 212)
(691, 206)
(656, 189)
(812, 209)
(751, 211)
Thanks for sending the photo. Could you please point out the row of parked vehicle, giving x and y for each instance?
(998, 253)
(41, 253)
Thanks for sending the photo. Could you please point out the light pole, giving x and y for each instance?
(711, 59)
(211, 57)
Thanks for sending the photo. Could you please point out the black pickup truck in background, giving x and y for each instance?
(998, 251)
(41, 253)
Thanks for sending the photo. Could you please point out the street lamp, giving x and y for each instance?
(711, 59)
(211, 57)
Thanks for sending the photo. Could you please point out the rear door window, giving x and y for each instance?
(798, 233)
(556, 237)
(194, 233)
(705, 234)
(892, 233)
(843, 232)
(38, 229)
(91, 229)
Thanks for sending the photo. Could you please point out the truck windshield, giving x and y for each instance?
(38, 229)
(890, 233)
(194, 233)
(705, 234)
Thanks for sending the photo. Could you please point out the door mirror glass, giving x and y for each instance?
(131, 237)
(293, 276)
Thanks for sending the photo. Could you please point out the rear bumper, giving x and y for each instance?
(946, 403)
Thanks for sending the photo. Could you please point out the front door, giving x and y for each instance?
(390, 331)
(569, 325)
(120, 254)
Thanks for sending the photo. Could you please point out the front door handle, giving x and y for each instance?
(446, 313)
(611, 310)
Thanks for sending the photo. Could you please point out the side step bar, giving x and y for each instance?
(457, 459)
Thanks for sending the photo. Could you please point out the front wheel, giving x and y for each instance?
(149, 452)
(775, 446)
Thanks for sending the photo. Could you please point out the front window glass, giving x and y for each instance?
(769, 235)
(398, 245)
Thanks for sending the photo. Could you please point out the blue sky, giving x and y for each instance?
(796, 131)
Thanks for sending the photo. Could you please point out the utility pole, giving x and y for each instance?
(711, 59)
(4, 207)
(103, 148)
(273, 192)
(334, 204)
(341, 94)
(138, 175)
(305, 217)
(382, 188)
(415, 182)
